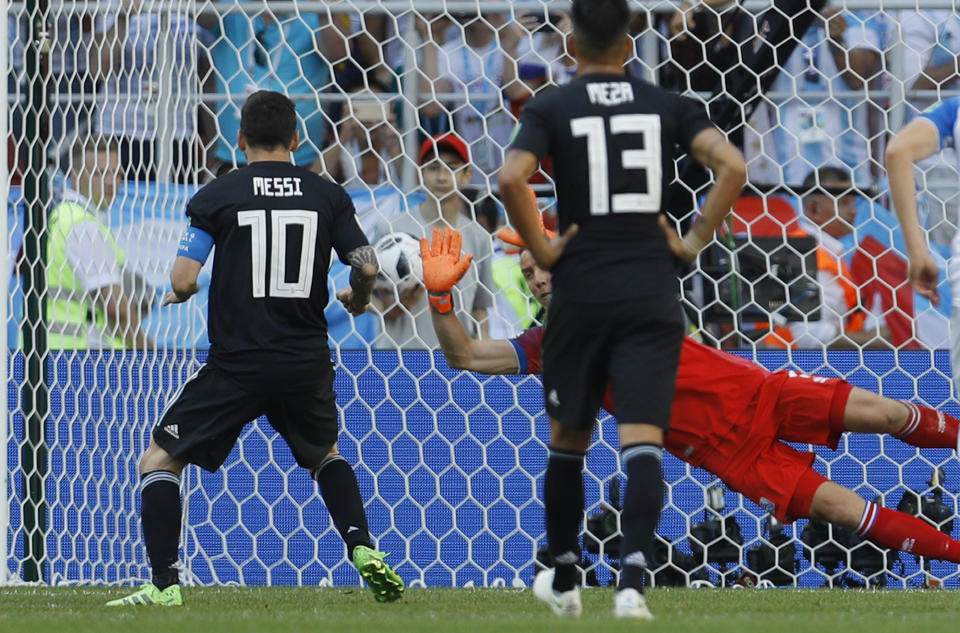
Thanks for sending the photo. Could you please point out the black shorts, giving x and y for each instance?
(205, 417)
(633, 346)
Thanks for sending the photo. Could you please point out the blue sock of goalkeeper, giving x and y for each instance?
(642, 503)
(341, 493)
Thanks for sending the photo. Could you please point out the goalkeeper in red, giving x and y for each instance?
(732, 417)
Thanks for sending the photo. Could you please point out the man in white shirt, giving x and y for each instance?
(806, 126)
(134, 56)
(829, 213)
(482, 67)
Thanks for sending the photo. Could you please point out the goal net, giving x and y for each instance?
(116, 112)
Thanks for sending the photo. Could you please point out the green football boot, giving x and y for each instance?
(385, 584)
(148, 594)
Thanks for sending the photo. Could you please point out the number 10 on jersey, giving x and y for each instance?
(279, 222)
(649, 159)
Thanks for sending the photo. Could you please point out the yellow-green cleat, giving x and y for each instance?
(386, 585)
(149, 595)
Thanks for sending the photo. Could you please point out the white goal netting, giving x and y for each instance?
(123, 108)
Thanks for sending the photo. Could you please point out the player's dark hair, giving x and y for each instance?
(820, 180)
(83, 144)
(268, 120)
(598, 26)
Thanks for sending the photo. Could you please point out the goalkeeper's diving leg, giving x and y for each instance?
(920, 426)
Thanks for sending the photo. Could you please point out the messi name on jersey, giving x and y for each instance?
(276, 187)
(610, 93)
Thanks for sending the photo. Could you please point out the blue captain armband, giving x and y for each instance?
(523, 363)
(195, 244)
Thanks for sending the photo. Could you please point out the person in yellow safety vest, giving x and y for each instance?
(511, 285)
(508, 276)
(86, 304)
(844, 322)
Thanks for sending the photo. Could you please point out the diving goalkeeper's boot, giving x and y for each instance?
(148, 594)
(386, 585)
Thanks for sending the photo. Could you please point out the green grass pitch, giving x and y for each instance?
(346, 610)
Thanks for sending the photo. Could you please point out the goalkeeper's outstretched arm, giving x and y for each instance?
(485, 356)
(443, 267)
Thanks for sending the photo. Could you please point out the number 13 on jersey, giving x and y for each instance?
(594, 128)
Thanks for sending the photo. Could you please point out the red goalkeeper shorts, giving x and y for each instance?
(757, 462)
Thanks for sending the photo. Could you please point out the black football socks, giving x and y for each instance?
(341, 494)
(642, 504)
(160, 514)
(563, 510)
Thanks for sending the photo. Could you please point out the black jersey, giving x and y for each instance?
(612, 139)
(273, 225)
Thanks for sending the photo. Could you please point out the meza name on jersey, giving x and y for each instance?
(276, 187)
(610, 93)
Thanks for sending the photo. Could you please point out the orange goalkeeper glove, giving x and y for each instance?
(513, 238)
(443, 267)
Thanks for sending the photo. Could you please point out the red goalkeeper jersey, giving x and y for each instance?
(719, 398)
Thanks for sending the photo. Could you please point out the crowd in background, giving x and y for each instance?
(157, 96)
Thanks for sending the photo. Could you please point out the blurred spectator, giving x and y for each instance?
(289, 53)
(367, 150)
(87, 305)
(704, 40)
(445, 170)
(829, 207)
(379, 45)
(481, 69)
(542, 59)
(543, 62)
(132, 52)
(930, 43)
(805, 126)
(71, 86)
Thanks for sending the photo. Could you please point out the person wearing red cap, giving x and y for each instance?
(444, 171)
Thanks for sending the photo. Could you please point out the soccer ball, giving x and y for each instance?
(400, 262)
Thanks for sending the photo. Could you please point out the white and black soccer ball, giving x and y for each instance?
(400, 263)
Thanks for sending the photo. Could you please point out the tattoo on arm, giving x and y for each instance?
(363, 274)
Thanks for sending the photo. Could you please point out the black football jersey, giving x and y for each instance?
(613, 139)
(273, 226)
